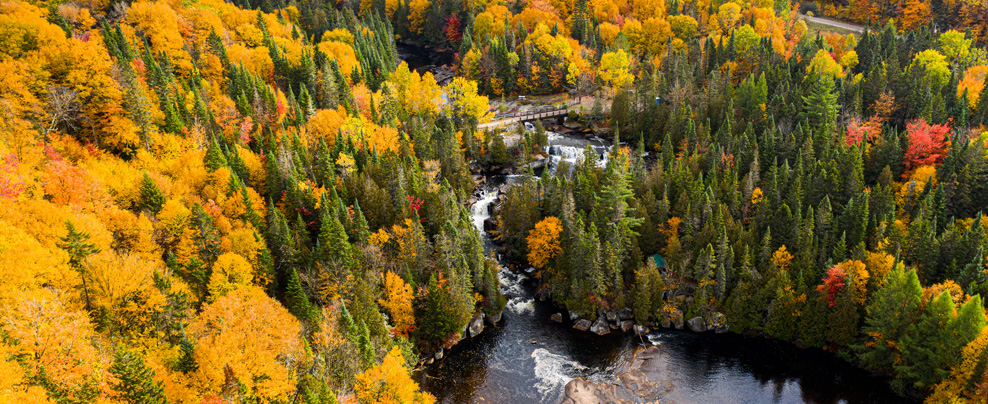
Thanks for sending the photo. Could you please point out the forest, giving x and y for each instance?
(213, 202)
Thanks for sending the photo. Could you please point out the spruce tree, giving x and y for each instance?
(135, 380)
(214, 158)
(151, 198)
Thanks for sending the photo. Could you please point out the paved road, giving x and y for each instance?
(835, 23)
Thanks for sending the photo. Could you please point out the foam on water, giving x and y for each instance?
(553, 371)
(562, 148)
(656, 339)
(511, 283)
(521, 305)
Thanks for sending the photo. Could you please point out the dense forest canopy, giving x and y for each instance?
(211, 202)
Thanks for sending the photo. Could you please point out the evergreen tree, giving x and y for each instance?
(151, 198)
(134, 380)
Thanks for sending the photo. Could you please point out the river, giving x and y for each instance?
(527, 358)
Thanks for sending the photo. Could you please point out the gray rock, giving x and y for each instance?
(476, 325)
(625, 314)
(600, 327)
(573, 316)
(611, 316)
(557, 317)
(493, 319)
(640, 329)
(665, 323)
(696, 324)
(721, 329)
(583, 324)
(439, 354)
(627, 325)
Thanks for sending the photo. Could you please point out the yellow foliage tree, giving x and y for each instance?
(418, 10)
(823, 63)
(614, 68)
(230, 272)
(465, 102)
(398, 302)
(781, 259)
(254, 337)
(389, 383)
(543, 242)
(123, 285)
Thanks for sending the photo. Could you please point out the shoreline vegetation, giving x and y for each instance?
(258, 201)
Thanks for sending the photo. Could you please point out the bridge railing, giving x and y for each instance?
(535, 112)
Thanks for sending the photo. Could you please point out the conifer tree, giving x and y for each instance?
(152, 199)
(135, 380)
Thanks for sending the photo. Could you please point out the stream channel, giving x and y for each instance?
(527, 358)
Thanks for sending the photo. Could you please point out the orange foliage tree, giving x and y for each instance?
(543, 242)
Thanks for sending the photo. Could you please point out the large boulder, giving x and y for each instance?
(583, 324)
(476, 325)
(625, 314)
(557, 317)
(612, 316)
(696, 324)
(627, 325)
(573, 316)
(640, 329)
(600, 327)
(721, 329)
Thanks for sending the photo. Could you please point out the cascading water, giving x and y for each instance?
(571, 150)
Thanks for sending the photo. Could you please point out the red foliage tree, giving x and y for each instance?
(452, 29)
(928, 144)
(862, 131)
(833, 282)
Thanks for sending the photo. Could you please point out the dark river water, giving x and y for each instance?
(527, 358)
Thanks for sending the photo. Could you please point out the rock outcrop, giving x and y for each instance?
(645, 380)
(476, 325)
